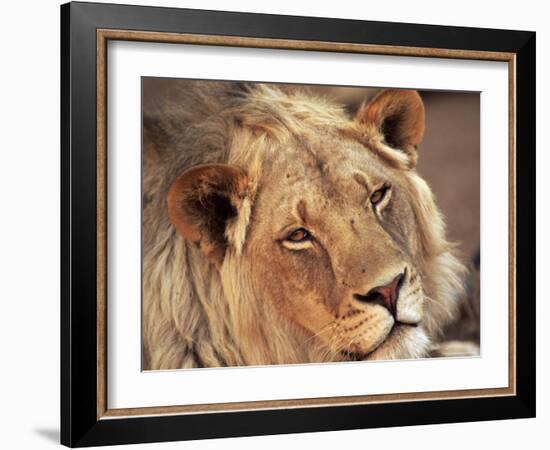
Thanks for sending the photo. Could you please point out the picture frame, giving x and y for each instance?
(86, 29)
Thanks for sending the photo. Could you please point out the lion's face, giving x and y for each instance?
(327, 232)
(333, 240)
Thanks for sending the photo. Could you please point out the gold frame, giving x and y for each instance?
(103, 36)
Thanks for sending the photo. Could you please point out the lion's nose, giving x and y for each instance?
(386, 295)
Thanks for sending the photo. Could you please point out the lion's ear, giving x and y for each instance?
(203, 201)
(398, 114)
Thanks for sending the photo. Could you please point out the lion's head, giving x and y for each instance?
(308, 237)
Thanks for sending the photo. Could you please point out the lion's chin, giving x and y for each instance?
(403, 342)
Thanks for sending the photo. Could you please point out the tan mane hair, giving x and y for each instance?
(199, 314)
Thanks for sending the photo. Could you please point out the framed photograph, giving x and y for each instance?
(277, 224)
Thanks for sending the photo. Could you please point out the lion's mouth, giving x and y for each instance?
(396, 330)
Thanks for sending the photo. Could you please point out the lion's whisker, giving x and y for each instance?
(322, 330)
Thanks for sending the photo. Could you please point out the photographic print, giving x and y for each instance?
(294, 224)
(277, 224)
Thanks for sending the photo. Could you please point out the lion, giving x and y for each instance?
(280, 229)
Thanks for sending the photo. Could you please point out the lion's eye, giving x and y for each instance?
(378, 195)
(299, 235)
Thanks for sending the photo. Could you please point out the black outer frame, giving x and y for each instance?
(79, 423)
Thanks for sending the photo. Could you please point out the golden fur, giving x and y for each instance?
(230, 172)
